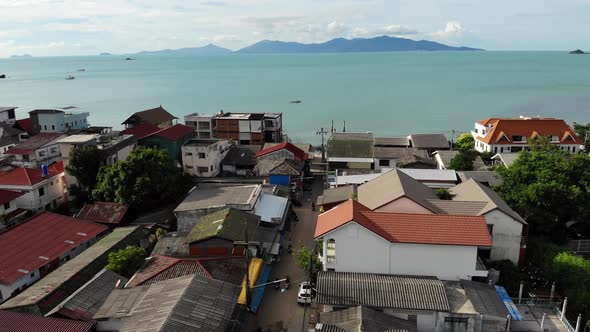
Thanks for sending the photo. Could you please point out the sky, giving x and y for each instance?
(86, 27)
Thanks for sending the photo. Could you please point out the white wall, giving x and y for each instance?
(404, 205)
(214, 154)
(61, 122)
(7, 290)
(392, 163)
(506, 236)
(54, 194)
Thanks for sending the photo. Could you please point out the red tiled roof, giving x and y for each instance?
(25, 124)
(29, 176)
(175, 132)
(8, 195)
(161, 268)
(141, 131)
(40, 240)
(297, 152)
(21, 322)
(528, 127)
(103, 212)
(409, 228)
(33, 143)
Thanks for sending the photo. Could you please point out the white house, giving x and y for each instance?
(356, 239)
(202, 157)
(58, 120)
(37, 150)
(9, 212)
(204, 124)
(510, 135)
(39, 191)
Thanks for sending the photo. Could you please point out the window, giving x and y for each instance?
(202, 169)
(52, 127)
(516, 149)
(383, 162)
(211, 168)
(331, 251)
(45, 127)
(518, 138)
(33, 275)
(6, 205)
(496, 149)
(476, 131)
(41, 191)
(490, 229)
(201, 155)
(573, 149)
(53, 150)
(51, 183)
(189, 167)
(188, 154)
(456, 324)
(42, 153)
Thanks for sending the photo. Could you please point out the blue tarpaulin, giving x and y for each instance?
(258, 293)
(512, 309)
(282, 180)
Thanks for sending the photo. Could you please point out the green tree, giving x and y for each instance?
(463, 161)
(444, 194)
(126, 261)
(144, 181)
(583, 131)
(160, 233)
(572, 275)
(465, 141)
(84, 164)
(309, 262)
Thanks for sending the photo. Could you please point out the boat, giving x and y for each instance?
(295, 102)
(82, 69)
(70, 77)
(128, 59)
(3, 76)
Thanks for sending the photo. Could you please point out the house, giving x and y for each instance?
(57, 120)
(288, 172)
(350, 150)
(202, 157)
(38, 246)
(21, 322)
(40, 190)
(266, 159)
(86, 300)
(305, 147)
(7, 115)
(249, 128)
(190, 302)
(158, 117)
(505, 159)
(240, 160)
(487, 178)
(57, 286)
(443, 160)
(25, 125)
(170, 139)
(334, 196)
(360, 319)
(445, 246)
(9, 137)
(429, 142)
(10, 214)
(432, 178)
(507, 228)
(392, 157)
(158, 268)
(202, 201)
(395, 191)
(37, 150)
(203, 125)
(106, 213)
(510, 135)
(392, 142)
(140, 131)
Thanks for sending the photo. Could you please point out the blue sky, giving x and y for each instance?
(78, 27)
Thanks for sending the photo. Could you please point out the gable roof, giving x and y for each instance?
(173, 133)
(368, 136)
(152, 116)
(25, 125)
(103, 212)
(381, 291)
(22, 176)
(429, 141)
(362, 318)
(472, 190)
(142, 130)
(436, 229)
(337, 195)
(21, 322)
(159, 268)
(392, 141)
(392, 185)
(39, 240)
(527, 127)
(298, 154)
(398, 153)
(229, 224)
(240, 156)
(35, 142)
(8, 196)
(506, 158)
(460, 208)
(491, 178)
(349, 148)
(287, 167)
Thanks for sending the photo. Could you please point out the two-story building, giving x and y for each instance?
(171, 139)
(40, 190)
(203, 124)
(37, 150)
(7, 115)
(202, 157)
(356, 239)
(267, 159)
(58, 120)
(158, 117)
(511, 135)
(10, 214)
(249, 128)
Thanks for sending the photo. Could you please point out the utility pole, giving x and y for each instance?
(344, 128)
(452, 138)
(332, 130)
(323, 132)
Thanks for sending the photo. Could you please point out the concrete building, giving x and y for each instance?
(250, 128)
(58, 120)
(202, 157)
(7, 115)
(158, 117)
(170, 139)
(38, 246)
(273, 127)
(240, 160)
(40, 191)
(203, 124)
(9, 137)
(41, 149)
(511, 135)
(268, 159)
(444, 246)
(11, 214)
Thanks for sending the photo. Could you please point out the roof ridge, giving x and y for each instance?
(435, 215)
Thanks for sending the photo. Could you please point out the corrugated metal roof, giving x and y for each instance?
(489, 178)
(21, 322)
(431, 174)
(392, 141)
(381, 291)
(429, 141)
(361, 318)
(460, 208)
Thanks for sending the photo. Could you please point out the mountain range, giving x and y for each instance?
(337, 45)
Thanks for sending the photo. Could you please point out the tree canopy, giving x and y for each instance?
(146, 179)
(465, 141)
(583, 131)
(309, 262)
(464, 160)
(126, 261)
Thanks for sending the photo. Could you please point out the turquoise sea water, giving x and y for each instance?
(387, 93)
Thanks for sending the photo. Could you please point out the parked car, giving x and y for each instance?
(306, 293)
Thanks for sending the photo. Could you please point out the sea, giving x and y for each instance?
(389, 94)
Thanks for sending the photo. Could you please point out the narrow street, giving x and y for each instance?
(279, 310)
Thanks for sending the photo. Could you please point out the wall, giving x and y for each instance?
(214, 154)
(211, 248)
(27, 280)
(359, 165)
(391, 163)
(506, 236)
(266, 162)
(56, 194)
(404, 205)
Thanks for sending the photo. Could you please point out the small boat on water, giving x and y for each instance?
(129, 59)
(70, 77)
(295, 102)
(2, 75)
(81, 70)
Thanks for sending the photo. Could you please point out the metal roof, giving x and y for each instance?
(204, 198)
(460, 208)
(489, 178)
(392, 141)
(381, 291)
(361, 318)
(159, 268)
(173, 244)
(270, 207)
(431, 174)
(229, 224)
(21, 322)
(344, 148)
(429, 141)
(337, 195)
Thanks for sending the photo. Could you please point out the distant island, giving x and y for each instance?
(342, 45)
(578, 51)
(205, 50)
(105, 54)
(16, 56)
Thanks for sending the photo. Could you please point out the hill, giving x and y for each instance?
(205, 50)
(342, 45)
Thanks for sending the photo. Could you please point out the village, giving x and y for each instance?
(222, 223)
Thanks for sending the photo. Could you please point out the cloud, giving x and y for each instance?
(335, 27)
(389, 30)
(453, 30)
(214, 3)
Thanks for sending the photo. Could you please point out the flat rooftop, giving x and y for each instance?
(78, 139)
(204, 198)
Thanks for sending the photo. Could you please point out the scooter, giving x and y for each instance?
(286, 282)
(290, 250)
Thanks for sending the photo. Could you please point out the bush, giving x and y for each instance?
(126, 261)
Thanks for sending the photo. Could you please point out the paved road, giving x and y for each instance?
(279, 310)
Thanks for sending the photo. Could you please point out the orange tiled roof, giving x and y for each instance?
(408, 228)
(29, 176)
(528, 128)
